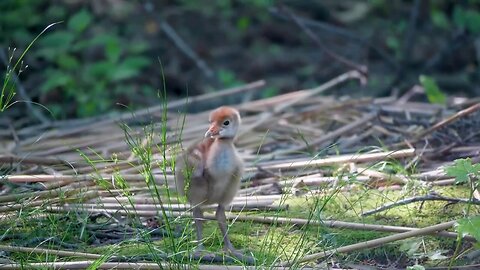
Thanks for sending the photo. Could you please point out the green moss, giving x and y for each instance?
(271, 243)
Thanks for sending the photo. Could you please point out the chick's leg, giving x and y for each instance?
(222, 223)
(198, 218)
(227, 245)
(200, 252)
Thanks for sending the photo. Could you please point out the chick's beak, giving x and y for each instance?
(212, 131)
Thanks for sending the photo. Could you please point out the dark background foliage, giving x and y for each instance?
(111, 52)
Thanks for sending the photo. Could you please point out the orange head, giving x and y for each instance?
(224, 123)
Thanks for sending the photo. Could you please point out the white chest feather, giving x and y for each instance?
(223, 161)
(224, 168)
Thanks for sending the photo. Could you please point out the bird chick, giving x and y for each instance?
(209, 172)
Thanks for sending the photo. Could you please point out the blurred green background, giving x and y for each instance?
(108, 55)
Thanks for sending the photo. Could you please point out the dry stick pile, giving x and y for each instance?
(99, 165)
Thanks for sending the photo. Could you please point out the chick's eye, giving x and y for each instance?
(226, 123)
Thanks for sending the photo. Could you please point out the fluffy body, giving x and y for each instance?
(209, 172)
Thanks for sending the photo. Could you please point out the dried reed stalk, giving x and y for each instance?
(341, 159)
(135, 265)
(376, 242)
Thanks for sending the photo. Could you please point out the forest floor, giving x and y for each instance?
(330, 182)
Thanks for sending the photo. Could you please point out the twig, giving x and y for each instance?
(118, 259)
(237, 206)
(429, 197)
(32, 160)
(355, 158)
(50, 241)
(350, 64)
(31, 204)
(83, 178)
(417, 157)
(457, 267)
(130, 265)
(448, 120)
(147, 199)
(50, 251)
(319, 181)
(376, 242)
(67, 191)
(444, 182)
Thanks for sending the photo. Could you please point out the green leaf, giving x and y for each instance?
(99, 39)
(243, 23)
(55, 79)
(101, 69)
(469, 19)
(138, 62)
(432, 91)
(459, 16)
(21, 36)
(129, 68)
(269, 92)
(439, 19)
(80, 21)
(113, 50)
(57, 12)
(58, 40)
(138, 47)
(469, 226)
(461, 170)
(227, 78)
(473, 21)
(124, 72)
(393, 42)
(102, 39)
(67, 61)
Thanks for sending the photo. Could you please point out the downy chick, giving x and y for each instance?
(209, 172)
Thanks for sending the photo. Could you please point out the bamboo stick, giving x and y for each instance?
(134, 265)
(376, 242)
(32, 160)
(49, 251)
(149, 199)
(341, 159)
(66, 191)
(264, 206)
(84, 177)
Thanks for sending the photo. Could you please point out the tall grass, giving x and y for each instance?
(8, 88)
